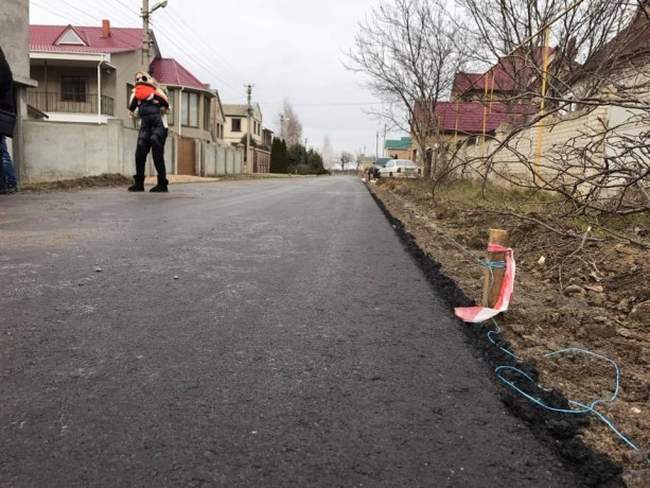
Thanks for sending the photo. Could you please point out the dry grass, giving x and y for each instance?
(611, 275)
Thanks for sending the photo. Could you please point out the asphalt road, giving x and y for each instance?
(243, 334)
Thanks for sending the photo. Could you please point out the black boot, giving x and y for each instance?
(138, 184)
(161, 187)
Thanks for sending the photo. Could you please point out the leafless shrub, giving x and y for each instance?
(600, 59)
(410, 52)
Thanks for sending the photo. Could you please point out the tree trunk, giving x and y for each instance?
(428, 164)
(425, 161)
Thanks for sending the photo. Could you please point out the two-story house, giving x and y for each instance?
(85, 74)
(190, 100)
(236, 127)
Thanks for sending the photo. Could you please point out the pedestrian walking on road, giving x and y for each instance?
(149, 103)
(8, 182)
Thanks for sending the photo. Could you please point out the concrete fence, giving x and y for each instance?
(57, 151)
(520, 160)
(217, 160)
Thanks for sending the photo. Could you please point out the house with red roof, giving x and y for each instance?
(85, 75)
(513, 77)
(481, 103)
(455, 122)
(196, 112)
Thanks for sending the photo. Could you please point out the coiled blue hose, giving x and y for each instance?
(582, 408)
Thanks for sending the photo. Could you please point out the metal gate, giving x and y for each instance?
(186, 156)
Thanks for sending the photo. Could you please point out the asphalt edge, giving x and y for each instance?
(559, 431)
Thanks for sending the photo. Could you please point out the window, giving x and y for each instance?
(73, 89)
(236, 125)
(206, 113)
(171, 115)
(129, 92)
(71, 38)
(190, 111)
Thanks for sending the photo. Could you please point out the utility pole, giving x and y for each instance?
(146, 31)
(249, 92)
(146, 36)
(377, 147)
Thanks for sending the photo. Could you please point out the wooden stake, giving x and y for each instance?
(494, 280)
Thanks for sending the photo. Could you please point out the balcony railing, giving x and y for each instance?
(53, 102)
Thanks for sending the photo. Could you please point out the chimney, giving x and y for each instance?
(106, 28)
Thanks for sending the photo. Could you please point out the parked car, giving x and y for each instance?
(399, 168)
(380, 163)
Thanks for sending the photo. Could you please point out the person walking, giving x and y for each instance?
(8, 182)
(150, 103)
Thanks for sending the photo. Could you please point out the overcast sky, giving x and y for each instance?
(290, 49)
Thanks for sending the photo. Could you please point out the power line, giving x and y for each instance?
(172, 31)
(191, 57)
(339, 104)
(196, 35)
(327, 104)
(88, 14)
(178, 29)
(134, 37)
(83, 12)
(118, 14)
(47, 9)
(128, 7)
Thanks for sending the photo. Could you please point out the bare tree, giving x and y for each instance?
(345, 159)
(572, 59)
(410, 50)
(292, 129)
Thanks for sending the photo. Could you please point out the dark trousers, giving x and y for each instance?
(152, 137)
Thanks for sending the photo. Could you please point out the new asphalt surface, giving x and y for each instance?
(240, 334)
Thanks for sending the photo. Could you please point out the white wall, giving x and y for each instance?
(56, 151)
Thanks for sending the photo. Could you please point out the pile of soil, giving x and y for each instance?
(574, 288)
(105, 180)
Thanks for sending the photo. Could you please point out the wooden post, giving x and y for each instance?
(542, 108)
(494, 280)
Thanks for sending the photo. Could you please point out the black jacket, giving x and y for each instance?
(148, 108)
(7, 101)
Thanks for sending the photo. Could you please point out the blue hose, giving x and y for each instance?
(582, 408)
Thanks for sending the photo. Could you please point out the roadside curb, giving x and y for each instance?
(561, 432)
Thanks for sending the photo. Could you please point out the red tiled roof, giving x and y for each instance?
(510, 74)
(44, 37)
(170, 72)
(465, 82)
(628, 49)
(467, 117)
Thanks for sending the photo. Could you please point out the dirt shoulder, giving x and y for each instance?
(591, 293)
(116, 180)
